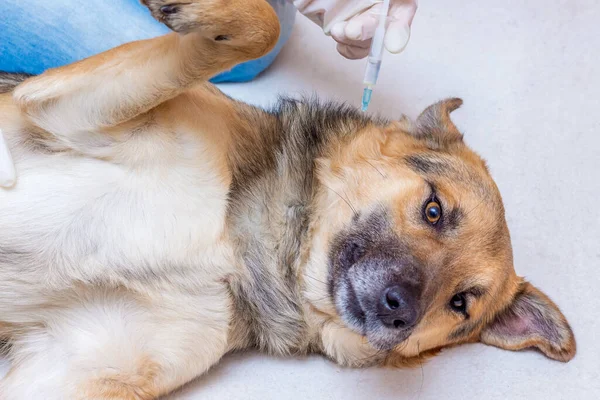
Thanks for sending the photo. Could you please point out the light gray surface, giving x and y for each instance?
(530, 77)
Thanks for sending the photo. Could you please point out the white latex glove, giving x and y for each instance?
(7, 169)
(352, 23)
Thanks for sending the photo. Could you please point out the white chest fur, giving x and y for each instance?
(78, 218)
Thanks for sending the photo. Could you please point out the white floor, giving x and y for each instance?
(529, 72)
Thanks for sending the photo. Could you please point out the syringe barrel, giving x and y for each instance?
(377, 48)
(377, 45)
(372, 71)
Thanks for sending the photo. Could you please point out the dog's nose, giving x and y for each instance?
(397, 307)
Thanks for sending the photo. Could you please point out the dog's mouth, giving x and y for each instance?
(375, 282)
(358, 313)
(354, 309)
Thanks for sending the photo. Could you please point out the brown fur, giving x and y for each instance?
(136, 385)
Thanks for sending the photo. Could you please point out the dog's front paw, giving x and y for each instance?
(250, 26)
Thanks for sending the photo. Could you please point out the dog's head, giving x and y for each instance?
(411, 251)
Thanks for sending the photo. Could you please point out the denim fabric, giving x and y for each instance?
(39, 34)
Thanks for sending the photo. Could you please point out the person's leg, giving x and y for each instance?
(39, 34)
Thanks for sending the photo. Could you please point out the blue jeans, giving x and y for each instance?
(39, 34)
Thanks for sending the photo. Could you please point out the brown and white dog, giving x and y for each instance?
(157, 225)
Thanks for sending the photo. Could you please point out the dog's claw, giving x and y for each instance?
(170, 9)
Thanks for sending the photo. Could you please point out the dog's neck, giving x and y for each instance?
(272, 193)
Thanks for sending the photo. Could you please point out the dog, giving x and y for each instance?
(157, 225)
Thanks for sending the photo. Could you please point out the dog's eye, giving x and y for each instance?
(433, 212)
(458, 303)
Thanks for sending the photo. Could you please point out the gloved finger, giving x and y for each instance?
(398, 31)
(338, 34)
(363, 25)
(330, 12)
(404, 10)
(352, 52)
(397, 37)
(351, 49)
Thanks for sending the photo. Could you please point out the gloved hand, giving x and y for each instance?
(352, 23)
(7, 169)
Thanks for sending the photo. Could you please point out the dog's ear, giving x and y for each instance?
(435, 126)
(532, 321)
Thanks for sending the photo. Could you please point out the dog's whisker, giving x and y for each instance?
(402, 346)
(472, 209)
(371, 357)
(315, 279)
(376, 169)
(347, 201)
(351, 205)
(422, 370)
(324, 298)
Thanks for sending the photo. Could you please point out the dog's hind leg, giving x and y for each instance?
(116, 345)
(82, 101)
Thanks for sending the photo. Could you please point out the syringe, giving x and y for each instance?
(375, 56)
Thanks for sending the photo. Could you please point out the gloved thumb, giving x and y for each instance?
(397, 36)
(398, 31)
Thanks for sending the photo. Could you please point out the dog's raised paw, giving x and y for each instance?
(251, 25)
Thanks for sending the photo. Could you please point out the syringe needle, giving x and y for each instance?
(366, 98)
